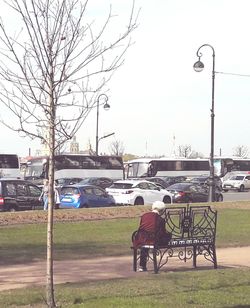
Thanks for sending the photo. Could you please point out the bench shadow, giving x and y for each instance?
(189, 269)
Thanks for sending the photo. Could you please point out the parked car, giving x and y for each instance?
(190, 192)
(238, 182)
(137, 192)
(204, 180)
(97, 181)
(79, 196)
(17, 195)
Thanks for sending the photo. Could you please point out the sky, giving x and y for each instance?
(157, 101)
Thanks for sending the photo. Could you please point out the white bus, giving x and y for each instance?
(241, 164)
(150, 167)
(9, 166)
(75, 166)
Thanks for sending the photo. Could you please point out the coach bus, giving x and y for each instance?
(149, 167)
(75, 166)
(9, 166)
(241, 164)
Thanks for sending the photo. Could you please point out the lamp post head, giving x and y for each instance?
(198, 66)
(106, 106)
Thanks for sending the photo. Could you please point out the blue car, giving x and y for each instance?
(79, 196)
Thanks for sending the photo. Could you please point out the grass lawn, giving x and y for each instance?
(191, 288)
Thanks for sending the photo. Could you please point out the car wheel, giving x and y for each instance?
(12, 209)
(225, 190)
(139, 201)
(167, 199)
(241, 188)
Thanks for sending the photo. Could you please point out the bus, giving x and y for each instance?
(150, 167)
(241, 164)
(9, 166)
(75, 166)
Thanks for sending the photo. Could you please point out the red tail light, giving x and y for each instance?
(1, 200)
(181, 193)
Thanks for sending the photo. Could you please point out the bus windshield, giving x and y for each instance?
(9, 166)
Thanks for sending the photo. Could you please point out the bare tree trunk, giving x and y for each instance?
(53, 72)
(50, 282)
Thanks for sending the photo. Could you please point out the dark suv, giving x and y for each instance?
(17, 195)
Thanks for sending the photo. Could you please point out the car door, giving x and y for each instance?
(247, 182)
(199, 193)
(151, 192)
(101, 197)
(34, 194)
(23, 199)
(90, 197)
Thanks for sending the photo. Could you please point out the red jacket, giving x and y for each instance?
(151, 231)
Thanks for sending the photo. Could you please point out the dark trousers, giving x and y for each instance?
(144, 257)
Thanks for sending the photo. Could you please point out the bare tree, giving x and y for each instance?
(195, 154)
(116, 148)
(240, 151)
(184, 150)
(52, 70)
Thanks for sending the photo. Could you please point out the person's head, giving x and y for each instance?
(158, 207)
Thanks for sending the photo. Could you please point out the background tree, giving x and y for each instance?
(116, 148)
(53, 66)
(195, 154)
(240, 151)
(184, 150)
(127, 157)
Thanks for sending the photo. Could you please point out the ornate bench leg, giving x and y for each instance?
(135, 259)
(155, 261)
(194, 256)
(214, 257)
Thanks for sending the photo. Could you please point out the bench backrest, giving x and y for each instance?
(191, 221)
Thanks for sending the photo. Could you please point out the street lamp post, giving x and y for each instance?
(105, 136)
(198, 67)
(103, 98)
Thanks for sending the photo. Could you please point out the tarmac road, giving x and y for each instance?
(236, 196)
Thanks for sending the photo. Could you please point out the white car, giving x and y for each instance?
(238, 182)
(138, 192)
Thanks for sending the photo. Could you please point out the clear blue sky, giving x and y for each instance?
(156, 95)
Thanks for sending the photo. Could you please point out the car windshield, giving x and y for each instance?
(237, 177)
(121, 185)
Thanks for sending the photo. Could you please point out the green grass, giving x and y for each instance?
(199, 288)
(77, 240)
(225, 287)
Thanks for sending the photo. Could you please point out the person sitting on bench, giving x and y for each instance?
(152, 231)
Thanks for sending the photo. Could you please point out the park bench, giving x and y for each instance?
(193, 231)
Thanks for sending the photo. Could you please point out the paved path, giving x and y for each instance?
(19, 276)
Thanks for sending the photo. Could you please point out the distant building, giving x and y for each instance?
(74, 146)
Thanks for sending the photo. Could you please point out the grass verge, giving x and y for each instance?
(199, 288)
